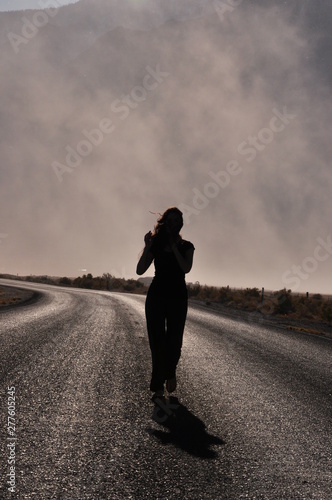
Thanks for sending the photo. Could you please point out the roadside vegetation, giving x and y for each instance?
(281, 303)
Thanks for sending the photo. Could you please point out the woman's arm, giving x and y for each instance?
(185, 262)
(146, 257)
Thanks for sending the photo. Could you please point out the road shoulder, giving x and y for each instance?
(268, 320)
(11, 297)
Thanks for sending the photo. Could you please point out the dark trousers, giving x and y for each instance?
(165, 319)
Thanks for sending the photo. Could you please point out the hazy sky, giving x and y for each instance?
(9, 5)
(112, 109)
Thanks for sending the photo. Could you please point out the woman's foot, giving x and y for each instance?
(171, 384)
(158, 395)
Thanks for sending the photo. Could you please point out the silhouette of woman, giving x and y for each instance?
(167, 298)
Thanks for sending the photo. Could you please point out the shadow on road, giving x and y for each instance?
(185, 430)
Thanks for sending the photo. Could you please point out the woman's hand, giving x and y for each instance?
(148, 239)
(146, 257)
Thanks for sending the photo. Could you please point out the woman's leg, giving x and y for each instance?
(155, 313)
(176, 319)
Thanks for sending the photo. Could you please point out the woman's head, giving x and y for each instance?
(171, 221)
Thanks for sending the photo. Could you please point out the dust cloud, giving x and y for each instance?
(114, 109)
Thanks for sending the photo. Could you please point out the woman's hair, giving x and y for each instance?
(161, 221)
(159, 233)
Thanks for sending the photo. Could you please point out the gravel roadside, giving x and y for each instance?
(305, 326)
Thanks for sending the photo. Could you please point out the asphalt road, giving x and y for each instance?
(252, 418)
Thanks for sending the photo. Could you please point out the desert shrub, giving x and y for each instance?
(204, 292)
(313, 307)
(252, 292)
(116, 284)
(65, 281)
(267, 307)
(131, 285)
(284, 302)
(250, 304)
(327, 313)
(83, 282)
(98, 283)
(224, 295)
(194, 290)
(213, 293)
(207, 293)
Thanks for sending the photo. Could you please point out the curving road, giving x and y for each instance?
(252, 419)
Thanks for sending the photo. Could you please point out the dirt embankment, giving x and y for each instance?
(10, 296)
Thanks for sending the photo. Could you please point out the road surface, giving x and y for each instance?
(252, 418)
